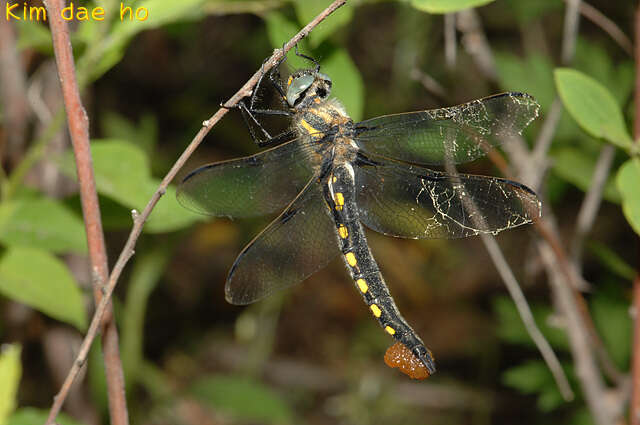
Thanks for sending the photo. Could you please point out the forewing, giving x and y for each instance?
(409, 201)
(456, 134)
(301, 241)
(255, 185)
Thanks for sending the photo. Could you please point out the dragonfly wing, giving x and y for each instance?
(449, 135)
(301, 241)
(410, 201)
(255, 185)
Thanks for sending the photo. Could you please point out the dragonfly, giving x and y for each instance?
(330, 177)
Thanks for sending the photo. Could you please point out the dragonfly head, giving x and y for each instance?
(307, 85)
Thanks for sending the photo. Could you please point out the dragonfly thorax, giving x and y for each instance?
(306, 87)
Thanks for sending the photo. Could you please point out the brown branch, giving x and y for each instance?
(140, 218)
(634, 403)
(79, 132)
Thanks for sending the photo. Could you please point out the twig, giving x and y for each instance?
(591, 203)
(140, 218)
(450, 39)
(587, 372)
(607, 25)
(79, 132)
(520, 301)
(570, 31)
(537, 167)
(634, 403)
(563, 275)
(428, 82)
(475, 42)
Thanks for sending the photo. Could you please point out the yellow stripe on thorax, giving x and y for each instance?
(311, 130)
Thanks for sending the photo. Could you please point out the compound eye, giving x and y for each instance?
(297, 86)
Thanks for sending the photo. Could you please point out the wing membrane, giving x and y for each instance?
(410, 201)
(301, 241)
(456, 134)
(255, 185)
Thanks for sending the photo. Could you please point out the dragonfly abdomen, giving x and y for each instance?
(340, 190)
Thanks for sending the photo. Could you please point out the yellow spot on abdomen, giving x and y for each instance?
(334, 179)
(362, 284)
(343, 232)
(390, 330)
(339, 200)
(351, 259)
(375, 310)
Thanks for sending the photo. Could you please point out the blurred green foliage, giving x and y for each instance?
(149, 84)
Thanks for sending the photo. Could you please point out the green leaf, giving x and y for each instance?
(596, 61)
(41, 223)
(447, 6)
(611, 260)
(160, 13)
(144, 135)
(33, 416)
(10, 373)
(592, 106)
(347, 82)
(307, 10)
(530, 10)
(581, 416)
(511, 329)
(531, 74)
(122, 173)
(280, 29)
(32, 35)
(534, 377)
(627, 179)
(110, 50)
(148, 268)
(121, 170)
(576, 166)
(612, 319)
(168, 215)
(41, 281)
(243, 398)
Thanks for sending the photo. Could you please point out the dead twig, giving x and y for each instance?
(140, 218)
(79, 131)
